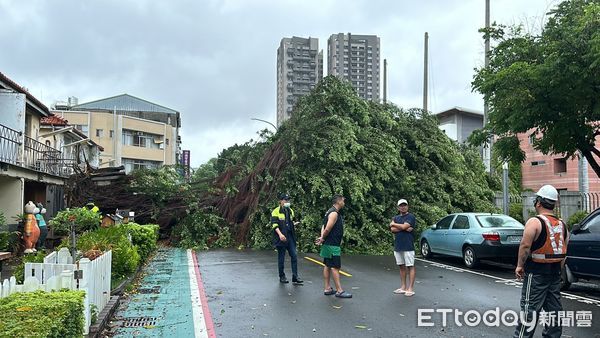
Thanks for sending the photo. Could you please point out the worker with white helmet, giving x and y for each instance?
(541, 257)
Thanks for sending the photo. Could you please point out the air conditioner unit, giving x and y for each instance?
(161, 146)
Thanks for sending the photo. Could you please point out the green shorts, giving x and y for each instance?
(330, 250)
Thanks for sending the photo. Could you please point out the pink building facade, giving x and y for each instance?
(563, 173)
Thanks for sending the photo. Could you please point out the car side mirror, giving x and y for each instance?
(433, 227)
(576, 228)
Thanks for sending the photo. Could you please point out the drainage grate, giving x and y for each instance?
(154, 289)
(139, 321)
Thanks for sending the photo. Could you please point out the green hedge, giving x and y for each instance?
(125, 256)
(144, 237)
(42, 314)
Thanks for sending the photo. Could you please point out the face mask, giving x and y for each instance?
(287, 204)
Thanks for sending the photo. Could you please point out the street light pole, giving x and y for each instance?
(255, 119)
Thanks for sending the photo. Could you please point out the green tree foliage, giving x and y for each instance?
(200, 229)
(373, 154)
(545, 84)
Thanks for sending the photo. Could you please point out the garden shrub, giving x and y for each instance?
(84, 219)
(42, 314)
(576, 218)
(125, 257)
(144, 237)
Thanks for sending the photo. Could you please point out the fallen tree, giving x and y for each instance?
(335, 142)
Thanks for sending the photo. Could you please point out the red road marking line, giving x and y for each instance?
(210, 326)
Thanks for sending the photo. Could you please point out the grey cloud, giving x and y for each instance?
(214, 61)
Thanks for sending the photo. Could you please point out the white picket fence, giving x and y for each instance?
(58, 272)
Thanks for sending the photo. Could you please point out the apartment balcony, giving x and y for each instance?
(23, 151)
(304, 81)
(304, 69)
(303, 57)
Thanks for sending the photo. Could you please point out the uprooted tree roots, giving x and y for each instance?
(237, 207)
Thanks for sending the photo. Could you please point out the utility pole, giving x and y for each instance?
(384, 80)
(425, 71)
(487, 149)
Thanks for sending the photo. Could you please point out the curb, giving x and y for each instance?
(104, 316)
(119, 289)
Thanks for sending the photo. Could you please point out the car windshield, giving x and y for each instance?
(498, 221)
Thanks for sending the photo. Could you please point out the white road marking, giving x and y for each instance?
(197, 314)
(509, 282)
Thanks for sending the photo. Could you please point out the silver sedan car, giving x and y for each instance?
(473, 236)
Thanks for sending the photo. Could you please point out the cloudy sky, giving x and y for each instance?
(215, 60)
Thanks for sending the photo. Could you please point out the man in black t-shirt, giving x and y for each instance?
(402, 226)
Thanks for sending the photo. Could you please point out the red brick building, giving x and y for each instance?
(563, 173)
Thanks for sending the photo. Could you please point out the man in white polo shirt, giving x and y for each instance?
(402, 226)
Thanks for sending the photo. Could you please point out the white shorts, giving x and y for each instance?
(405, 258)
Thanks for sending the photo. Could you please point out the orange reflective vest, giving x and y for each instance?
(554, 249)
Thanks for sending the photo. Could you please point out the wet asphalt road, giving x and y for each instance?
(246, 299)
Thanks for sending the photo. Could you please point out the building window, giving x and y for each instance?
(167, 141)
(531, 138)
(560, 166)
(82, 128)
(132, 164)
(537, 163)
(140, 139)
(99, 133)
(111, 133)
(48, 143)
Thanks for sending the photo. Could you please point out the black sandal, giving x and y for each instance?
(330, 292)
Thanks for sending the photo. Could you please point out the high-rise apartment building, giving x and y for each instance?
(356, 58)
(299, 69)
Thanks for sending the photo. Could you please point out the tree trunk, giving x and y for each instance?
(591, 160)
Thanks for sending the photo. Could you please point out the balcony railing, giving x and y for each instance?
(23, 151)
(10, 145)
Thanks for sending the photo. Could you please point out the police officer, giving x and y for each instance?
(284, 237)
(541, 255)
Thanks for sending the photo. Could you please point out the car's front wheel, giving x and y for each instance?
(426, 249)
(470, 257)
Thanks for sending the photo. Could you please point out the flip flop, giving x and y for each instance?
(409, 293)
(399, 291)
(343, 294)
(330, 292)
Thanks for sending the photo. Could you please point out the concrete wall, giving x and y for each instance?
(11, 197)
(468, 125)
(570, 202)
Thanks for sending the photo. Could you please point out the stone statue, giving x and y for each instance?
(31, 232)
